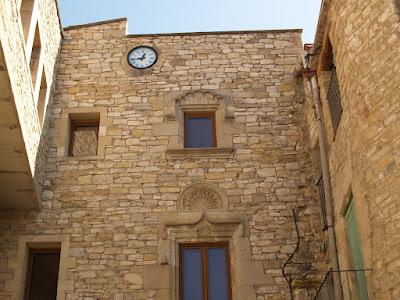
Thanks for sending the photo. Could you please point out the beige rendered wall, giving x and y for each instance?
(364, 154)
(16, 51)
(121, 213)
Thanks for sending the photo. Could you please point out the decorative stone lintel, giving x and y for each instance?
(198, 100)
(229, 219)
(207, 226)
(199, 152)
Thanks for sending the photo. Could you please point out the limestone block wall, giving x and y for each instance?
(363, 156)
(16, 48)
(119, 214)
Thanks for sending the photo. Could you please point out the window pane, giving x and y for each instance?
(192, 274)
(43, 285)
(200, 132)
(217, 274)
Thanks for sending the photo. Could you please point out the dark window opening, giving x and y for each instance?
(42, 274)
(84, 137)
(334, 100)
(327, 63)
(322, 204)
(200, 130)
(205, 272)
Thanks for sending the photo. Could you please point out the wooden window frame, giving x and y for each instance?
(200, 114)
(32, 252)
(82, 123)
(204, 266)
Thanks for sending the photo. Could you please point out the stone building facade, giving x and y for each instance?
(118, 215)
(104, 179)
(356, 53)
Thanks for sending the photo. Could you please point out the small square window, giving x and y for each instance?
(84, 138)
(200, 130)
(42, 275)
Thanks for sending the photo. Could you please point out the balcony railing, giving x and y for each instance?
(326, 290)
(353, 285)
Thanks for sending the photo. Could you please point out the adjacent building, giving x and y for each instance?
(355, 58)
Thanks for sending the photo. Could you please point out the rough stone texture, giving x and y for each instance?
(364, 154)
(26, 125)
(109, 208)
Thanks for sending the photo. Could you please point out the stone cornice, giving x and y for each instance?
(199, 153)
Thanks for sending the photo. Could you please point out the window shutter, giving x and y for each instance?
(355, 249)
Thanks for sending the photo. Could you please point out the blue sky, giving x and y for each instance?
(160, 16)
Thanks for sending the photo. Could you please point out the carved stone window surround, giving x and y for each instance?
(204, 218)
(63, 127)
(177, 103)
(177, 228)
(16, 287)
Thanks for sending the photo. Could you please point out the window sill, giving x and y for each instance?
(199, 153)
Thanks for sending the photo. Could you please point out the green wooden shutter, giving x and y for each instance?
(355, 249)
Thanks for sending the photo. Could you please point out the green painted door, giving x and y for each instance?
(355, 249)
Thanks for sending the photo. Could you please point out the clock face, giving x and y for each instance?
(142, 57)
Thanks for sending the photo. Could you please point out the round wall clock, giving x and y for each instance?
(142, 57)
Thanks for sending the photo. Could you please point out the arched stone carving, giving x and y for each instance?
(177, 228)
(203, 224)
(200, 197)
(202, 100)
(176, 104)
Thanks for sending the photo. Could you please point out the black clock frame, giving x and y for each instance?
(142, 46)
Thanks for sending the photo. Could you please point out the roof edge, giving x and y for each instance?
(216, 32)
(72, 27)
(124, 19)
(59, 18)
(322, 22)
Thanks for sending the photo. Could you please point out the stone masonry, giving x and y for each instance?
(364, 153)
(22, 132)
(118, 214)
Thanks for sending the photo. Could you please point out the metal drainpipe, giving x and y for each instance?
(312, 84)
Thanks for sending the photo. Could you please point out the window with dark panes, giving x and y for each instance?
(321, 192)
(84, 138)
(42, 274)
(205, 272)
(334, 100)
(200, 130)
